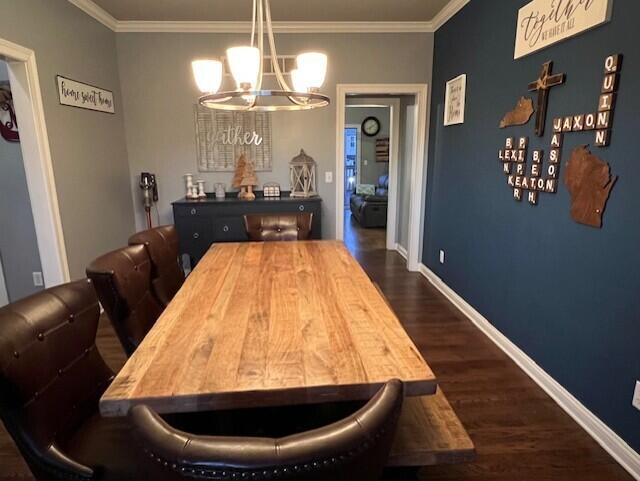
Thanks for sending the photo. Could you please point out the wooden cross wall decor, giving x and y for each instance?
(542, 85)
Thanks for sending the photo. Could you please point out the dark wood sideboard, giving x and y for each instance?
(201, 223)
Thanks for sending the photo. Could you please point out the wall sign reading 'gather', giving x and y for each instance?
(78, 94)
(222, 137)
(544, 22)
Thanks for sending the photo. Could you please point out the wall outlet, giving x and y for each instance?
(441, 256)
(38, 281)
(365, 162)
(328, 177)
(636, 396)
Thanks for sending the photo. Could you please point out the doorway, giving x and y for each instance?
(411, 213)
(19, 255)
(22, 73)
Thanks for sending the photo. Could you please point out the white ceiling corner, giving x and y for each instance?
(97, 12)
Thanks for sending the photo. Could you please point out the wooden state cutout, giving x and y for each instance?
(520, 115)
(589, 182)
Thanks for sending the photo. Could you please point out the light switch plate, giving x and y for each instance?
(38, 281)
(636, 396)
(328, 177)
(441, 256)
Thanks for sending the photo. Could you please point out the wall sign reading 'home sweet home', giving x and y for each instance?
(77, 94)
(544, 22)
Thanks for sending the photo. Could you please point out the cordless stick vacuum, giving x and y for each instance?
(149, 194)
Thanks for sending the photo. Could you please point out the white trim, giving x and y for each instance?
(609, 440)
(394, 164)
(97, 12)
(142, 26)
(418, 161)
(34, 142)
(401, 250)
(146, 26)
(448, 12)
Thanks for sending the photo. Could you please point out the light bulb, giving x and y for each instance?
(299, 82)
(313, 68)
(208, 75)
(244, 63)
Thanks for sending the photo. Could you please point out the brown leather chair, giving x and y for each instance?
(353, 449)
(162, 246)
(278, 227)
(122, 279)
(51, 377)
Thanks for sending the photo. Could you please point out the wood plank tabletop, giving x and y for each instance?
(264, 324)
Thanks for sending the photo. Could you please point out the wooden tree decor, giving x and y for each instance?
(589, 182)
(245, 178)
(520, 115)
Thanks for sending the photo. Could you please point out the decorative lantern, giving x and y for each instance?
(302, 169)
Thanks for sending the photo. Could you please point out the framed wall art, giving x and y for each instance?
(454, 100)
(222, 137)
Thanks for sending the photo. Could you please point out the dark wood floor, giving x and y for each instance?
(519, 432)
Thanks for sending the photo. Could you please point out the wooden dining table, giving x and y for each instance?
(270, 324)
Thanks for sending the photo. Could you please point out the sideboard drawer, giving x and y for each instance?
(229, 229)
(192, 210)
(195, 236)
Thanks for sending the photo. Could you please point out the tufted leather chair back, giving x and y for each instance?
(122, 279)
(353, 449)
(51, 373)
(278, 227)
(162, 246)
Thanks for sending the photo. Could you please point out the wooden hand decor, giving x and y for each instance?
(520, 115)
(542, 86)
(589, 181)
(245, 178)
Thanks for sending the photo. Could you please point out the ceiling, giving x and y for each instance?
(282, 10)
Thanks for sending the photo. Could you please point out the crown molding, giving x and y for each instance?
(134, 26)
(278, 27)
(97, 12)
(447, 13)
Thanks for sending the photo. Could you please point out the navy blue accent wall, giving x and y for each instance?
(566, 294)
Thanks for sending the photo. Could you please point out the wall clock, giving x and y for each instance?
(371, 126)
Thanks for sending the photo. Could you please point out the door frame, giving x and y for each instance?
(418, 168)
(38, 166)
(394, 159)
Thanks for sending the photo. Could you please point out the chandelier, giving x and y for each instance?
(247, 63)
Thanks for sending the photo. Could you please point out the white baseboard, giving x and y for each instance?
(609, 440)
(402, 251)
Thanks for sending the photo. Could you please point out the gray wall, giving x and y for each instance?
(19, 254)
(159, 94)
(370, 170)
(88, 148)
